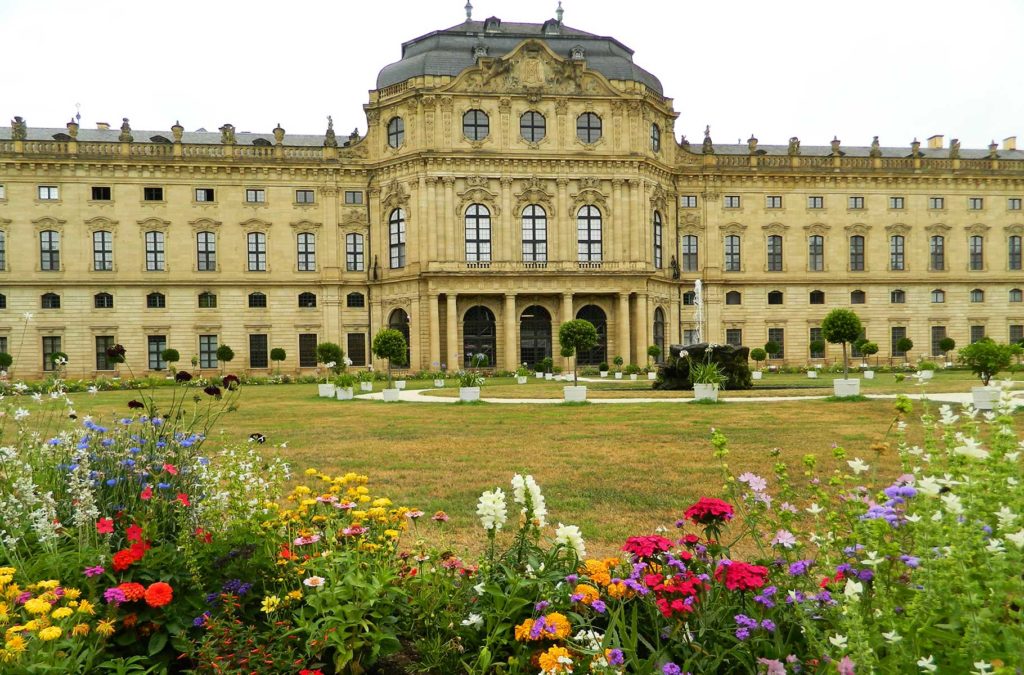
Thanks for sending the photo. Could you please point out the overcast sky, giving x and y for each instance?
(892, 68)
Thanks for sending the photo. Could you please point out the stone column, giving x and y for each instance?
(503, 233)
(431, 212)
(415, 341)
(511, 344)
(561, 226)
(634, 222)
(444, 238)
(453, 333)
(617, 241)
(435, 331)
(642, 329)
(567, 315)
(622, 319)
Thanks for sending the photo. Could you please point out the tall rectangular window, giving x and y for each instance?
(775, 253)
(897, 334)
(102, 251)
(3, 192)
(778, 336)
(258, 351)
(357, 348)
(1012, 204)
(535, 234)
(816, 253)
(1013, 252)
(354, 252)
(307, 350)
(3, 250)
(977, 333)
(207, 351)
(206, 252)
(690, 336)
(734, 336)
(773, 202)
(588, 234)
(657, 241)
(815, 202)
(103, 343)
(396, 238)
(732, 253)
(1016, 333)
(689, 250)
(51, 345)
(49, 251)
(938, 335)
(896, 252)
(155, 346)
(3, 345)
(937, 251)
(154, 251)
(306, 261)
(478, 233)
(857, 253)
(977, 251)
(814, 336)
(256, 242)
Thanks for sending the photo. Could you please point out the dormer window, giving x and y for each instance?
(577, 53)
(261, 142)
(492, 24)
(550, 27)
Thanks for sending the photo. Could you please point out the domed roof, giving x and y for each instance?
(452, 50)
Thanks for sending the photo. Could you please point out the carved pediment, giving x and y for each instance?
(534, 192)
(531, 69)
(589, 195)
(732, 228)
(305, 225)
(48, 223)
(775, 228)
(898, 228)
(1015, 228)
(204, 224)
(395, 196)
(154, 223)
(977, 228)
(659, 200)
(691, 224)
(255, 224)
(938, 228)
(354, 219)
(857, 228)
(100, 223)
(817, 228)
(477, 192)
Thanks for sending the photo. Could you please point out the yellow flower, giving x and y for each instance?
(364, 498)
(49, 584)
(319, 519)
(302, 490)
(556, 660)
(295, 595)
(311, 472)
(85, 607)
(523, 630)
(105, 627)
(51, 633)
(5, 579)
(72, 593)
(62, 613)
(34, 625)
(37, 606)
(273, 506)
(394, 534)
(358, 515)
(588, 592)
(382, 502)
(7, 570)
(12, 591)
(270, 604)
(80, 630)
(308, 502)
(16, 644)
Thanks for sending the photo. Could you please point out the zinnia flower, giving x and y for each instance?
(50, 633)
(230, 382)
(133, 591)
(159, 594)
(123, 559)
(440, 517)
(709, 511)
(740, 576)
(183, 377)
(314, 582)
(556, 660)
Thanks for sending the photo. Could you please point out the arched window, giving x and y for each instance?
(1016, 295)
(977, 295)
(535, 234)
(399, 320)
(938, 296)
(102, 251)
(858, 298)
(354, 252)
(478, 335)
(816, 253)
(857, 253)
(396, 132)
(307, 299)
(478, 233)
(896, 248)
(588, 127)
(598, 354)
(657, 241)
(1013, 252)
(817, 298)
(532, 126)
(355, 300)
(306, 252)
(207, 300)
(774, 297)
(898, 297)
(588, 234)
(689, 298)
(256, 243)
(257, 300)
(655, 138)
(659, 332)
(50, 301)
(732, 253)
(475, 125)
(154, 251)
(156, 301)
(396, 238)
(689, 251)
(733, 298)
(937, 250)
(103, 301)
(534, 335)
(977, 251)
(49, 251)
(775, 253)
(206, 251)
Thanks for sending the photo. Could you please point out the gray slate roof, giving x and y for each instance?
(142, 136)
(855, 151)
(450, 51)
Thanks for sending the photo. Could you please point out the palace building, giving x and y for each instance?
(512, 176)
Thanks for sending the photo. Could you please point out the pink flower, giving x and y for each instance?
(413, 515)
(345, 505)
(846, 666)
(772, 666)
(784, 538)
(93, 571)
(353, 531)
(171, 469)
(133, 533)
(147, 493)
(440, 517)
(303, 541)
(105, 526)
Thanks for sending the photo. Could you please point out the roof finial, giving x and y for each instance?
(469, 10)
(559, 12)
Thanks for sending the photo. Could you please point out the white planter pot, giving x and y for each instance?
(985, 398)
(366, 386)
(869, 374)
(574, 394)
(343, 393)
(469, 394)
(812, 374)
(549, 376)
(633, 376)
(817, 366)
(757, 374)
(439, 383)
(926, 374)
(652, 375)
(844, 388)
(604, 373)
(326, 390)
(618, 376)
(390, 395)
(399, 384)
(539, 376)
(520, 379)
(705, 392)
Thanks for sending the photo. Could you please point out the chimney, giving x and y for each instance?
(1010, 143)
(935, 142)
(102, 126)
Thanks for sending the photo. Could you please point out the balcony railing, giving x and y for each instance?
(550, 267)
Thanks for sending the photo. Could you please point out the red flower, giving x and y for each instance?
(307, 671)
(147, 493)
(133, 532)
(690, 540)
(709, 511)
(645, 547)
(133, 591)
(739, 576)
(183, 498)
(203, 536)
(123, 560)
(138, 549)
(159, 594)
(105, 526)
(171, 469)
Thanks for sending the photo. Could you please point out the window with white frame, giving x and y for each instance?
(102, 251)
(535, 234)
(154, 251)
(206, 251)
(306, 252)
(49, 251)
(657, 241)
(256, 246)
(478, 233)
(354, 252)
(896, 252)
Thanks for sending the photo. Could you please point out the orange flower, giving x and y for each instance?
(588, 592)
(133, 591)
(556, 660)
(130, 621)
(159, 594)
(523, 630)
(598, 571)
(561, 624)
(618, 591)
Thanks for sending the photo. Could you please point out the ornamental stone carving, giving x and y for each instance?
(534, 192)
(477, 192)
(589, 195)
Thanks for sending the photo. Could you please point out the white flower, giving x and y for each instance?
(532, 502)
(569, 536)
(784, 538)
(912, 518)
(872, 560)
(892, 637)
(928, 485)
(20, 387)
(814, 509)
(858, 465)
(20, 414)
(927, 665)
(1017, 538)
(838, 640)
(92, 390)
(27, 316)
(474, 620)
(853, 589)
(37, 397)
(492, 510)
(952, 503)
(1012, 457)
(947, 417)
(479, 588)
(1006, 518)
(995, 547)
(970, 448)
(347, 361)
(314, 582)
(982, 668)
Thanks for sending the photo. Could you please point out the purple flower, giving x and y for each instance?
(910, 561)
(541, 606)
(93, 571)
(572, 578)
(575, 597)
(800, 567)
(615, 657)
(201, 620)
(742, 633)
(745, 621)
(23, 598)
(600, 607)
(114, 596)
(671, 669)
(768, 625)
(865, 575)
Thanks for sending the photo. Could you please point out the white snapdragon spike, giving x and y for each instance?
(927, 665)
(952, 504)
(853, 590)
(569, 536)
(838, 640)
(492, 510)
(540, 509)
(1006, 518)
(970, 447)
(995, 547)
(858, 465)
(1017, 538)
(473, 620)
(946, 416)
(892, 637)
(518, 489)
(873, 559)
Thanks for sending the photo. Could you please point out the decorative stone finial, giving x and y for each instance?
(794, 146)
(126, 131)
(227, 134)
(954, 148)
(752, 144)
(992, 147)
(835, 146)
(73, 129)
(354, 136)
(469, 10)
(177, 130)
(19, 128)
(876, 149)
(559, 13)
(330, 140)
(915, 148)
(708, 148)
(278, 134)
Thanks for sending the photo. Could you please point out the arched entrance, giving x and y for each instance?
(534, 335)
(478, 331)
(399, 320)
(598, 354)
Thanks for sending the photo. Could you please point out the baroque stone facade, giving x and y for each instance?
(512, 177)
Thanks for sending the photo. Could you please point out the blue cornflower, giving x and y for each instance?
(111, 482)
(163, 486)
(107, 442)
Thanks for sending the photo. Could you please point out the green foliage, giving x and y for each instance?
(576, 336)
(170, 355)
(390, 344)
(632, 369)
(986, 357)
(758, 354)
(603, 366)
(868, 348)
(654, 352)
(842, 326)
(947, 344)
(618, 362)
(278, 354)
(331, 353)
(5, 360)
(344, 380)
(817, 346)
(927, 365)
(904, 344)
(58, 358)
(225, 354)
(772, 348)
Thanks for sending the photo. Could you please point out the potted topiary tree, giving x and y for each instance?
(618, 367)
(947, 344)
(390, 344)
(549, 365)
(603, 369)
(170, 357)
(772, 349)
(905, 344)
(574, 337)
(986, 358)
(331, 357)
(225, 354)
(5, 363)
(758, 355)
(842, 326)
(817, 347)
(867, 350)
(653, 354)
(277, 355)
